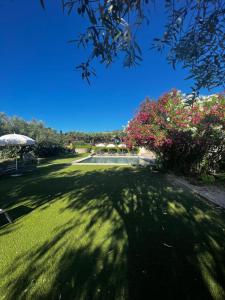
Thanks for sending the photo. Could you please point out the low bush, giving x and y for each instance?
(207, 179)
(47, 149)
(8, 152)
(112, 150)
(124, 150)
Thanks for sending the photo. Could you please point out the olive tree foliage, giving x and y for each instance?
(194, 34)
(48, 141)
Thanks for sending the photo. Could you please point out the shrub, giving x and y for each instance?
(9, 152)
(188, 139)
(98, 150)
(112, 150)
(124, 150)
(207, 179)
(105, 150)
(15, 151)
(47, 149)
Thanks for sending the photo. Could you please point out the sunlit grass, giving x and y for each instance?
(63, 159)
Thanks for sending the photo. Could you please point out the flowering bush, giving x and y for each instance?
(189, 138)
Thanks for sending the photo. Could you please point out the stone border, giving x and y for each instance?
(79, 162)
(211, 193)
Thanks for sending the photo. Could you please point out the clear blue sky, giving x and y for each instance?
(37, 77)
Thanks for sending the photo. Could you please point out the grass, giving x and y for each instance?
(94, 232)
(220, 179)
(64, 158)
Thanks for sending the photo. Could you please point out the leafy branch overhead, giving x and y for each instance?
(194, 35)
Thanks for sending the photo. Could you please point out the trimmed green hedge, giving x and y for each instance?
(115, 150)
(82, 146)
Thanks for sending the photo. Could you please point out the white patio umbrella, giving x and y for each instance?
(16, 140)
(110, 146)
(100, 145)
(122, 146)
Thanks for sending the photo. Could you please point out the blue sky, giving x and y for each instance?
(38, 78)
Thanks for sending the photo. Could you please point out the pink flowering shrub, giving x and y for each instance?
(186, 138)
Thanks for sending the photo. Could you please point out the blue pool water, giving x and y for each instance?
(111, 160)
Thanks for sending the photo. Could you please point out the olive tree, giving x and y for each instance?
(194, 35)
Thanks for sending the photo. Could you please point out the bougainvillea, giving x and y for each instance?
(191, 137)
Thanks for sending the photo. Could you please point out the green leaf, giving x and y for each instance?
(117, 36)
(138, 48)
(189, 77)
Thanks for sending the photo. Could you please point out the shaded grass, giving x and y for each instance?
(220, 179)
(94, 232)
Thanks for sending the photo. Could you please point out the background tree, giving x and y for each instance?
(49, 141)
(194, 35)
(78, 138)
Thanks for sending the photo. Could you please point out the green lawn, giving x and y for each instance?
(94, 232)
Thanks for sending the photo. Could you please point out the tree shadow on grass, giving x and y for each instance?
(13, 190)
(161, 243)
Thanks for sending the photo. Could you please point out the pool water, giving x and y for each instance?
(111, 160)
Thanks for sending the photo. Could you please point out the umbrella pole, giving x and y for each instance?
(16, 161)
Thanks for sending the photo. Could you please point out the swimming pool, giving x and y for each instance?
(110, 160)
